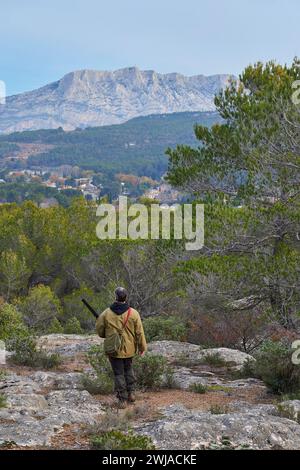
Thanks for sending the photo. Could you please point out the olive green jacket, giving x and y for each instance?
(134, 337)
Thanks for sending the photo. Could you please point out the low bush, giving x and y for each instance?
(218, 388)
(114, 420)
(104, 381)
(118, 440)
(149, 371)
(185, 360)
(138, 411)
(287, 411)
(165, 328)
(73, 327)
(111, 421)
(214, 360)
(290, 396)
(274, 366)
(2, 401)
(218, 409)
(198, 388)
(11, 323)
(248, 370)
(229, 329)
(100, 385)
(169, 381)
(55, 327)
(26, 353)
(47, 361)
(224, 443)
(39, 308)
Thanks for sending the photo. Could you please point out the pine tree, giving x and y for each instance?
(247, 170)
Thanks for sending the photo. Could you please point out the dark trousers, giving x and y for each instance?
(123, 375)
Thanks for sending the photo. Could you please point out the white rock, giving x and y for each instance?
(68, 345)
(181, 428)
(176, 351)
(229, 356)
(26, 401)
(58, 380)
(95, 98)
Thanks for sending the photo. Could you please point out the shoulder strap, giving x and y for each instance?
(127, 318)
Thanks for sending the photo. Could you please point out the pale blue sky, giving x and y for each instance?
(43, 40)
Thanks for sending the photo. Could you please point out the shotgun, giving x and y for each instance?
(96, 315)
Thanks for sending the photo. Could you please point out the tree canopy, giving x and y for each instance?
(247, 170)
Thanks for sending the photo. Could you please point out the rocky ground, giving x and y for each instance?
(52, 410)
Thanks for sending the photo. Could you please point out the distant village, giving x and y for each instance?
(60, 178)
(67, 177)
(164, 193)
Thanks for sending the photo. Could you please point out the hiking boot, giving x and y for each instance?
(121, 404)
(131, 397)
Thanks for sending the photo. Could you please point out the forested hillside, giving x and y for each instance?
(136, 147)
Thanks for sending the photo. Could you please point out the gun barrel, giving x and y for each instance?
(90, 308)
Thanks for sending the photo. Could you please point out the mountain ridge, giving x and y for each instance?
(88, 98)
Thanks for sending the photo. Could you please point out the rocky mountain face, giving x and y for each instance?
(93, 98)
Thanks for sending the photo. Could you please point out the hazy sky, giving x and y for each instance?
(43, 40)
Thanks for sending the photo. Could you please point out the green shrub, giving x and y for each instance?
(47, 361)
(40, 308)
(218, 409)
(104, 381)
(73, 307)
(2, 401)
(214, 360)
(149, 371)
(3, 374)
(290, 396)
(55, 327)
(118, 440)
(274, 366)
(224, 443)
(160, 328)
(111, 421)
(184, 360)
(287, 411)
(73, 327)
(101, 385)
(11, 323)
(26, 353)
(198, 388)
(169, 381)
(248, 369)
(218, 388)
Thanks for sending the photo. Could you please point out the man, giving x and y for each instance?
(119, 317)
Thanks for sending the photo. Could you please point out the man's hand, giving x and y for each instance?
(141, 353)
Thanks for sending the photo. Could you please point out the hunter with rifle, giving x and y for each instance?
(121, 327)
